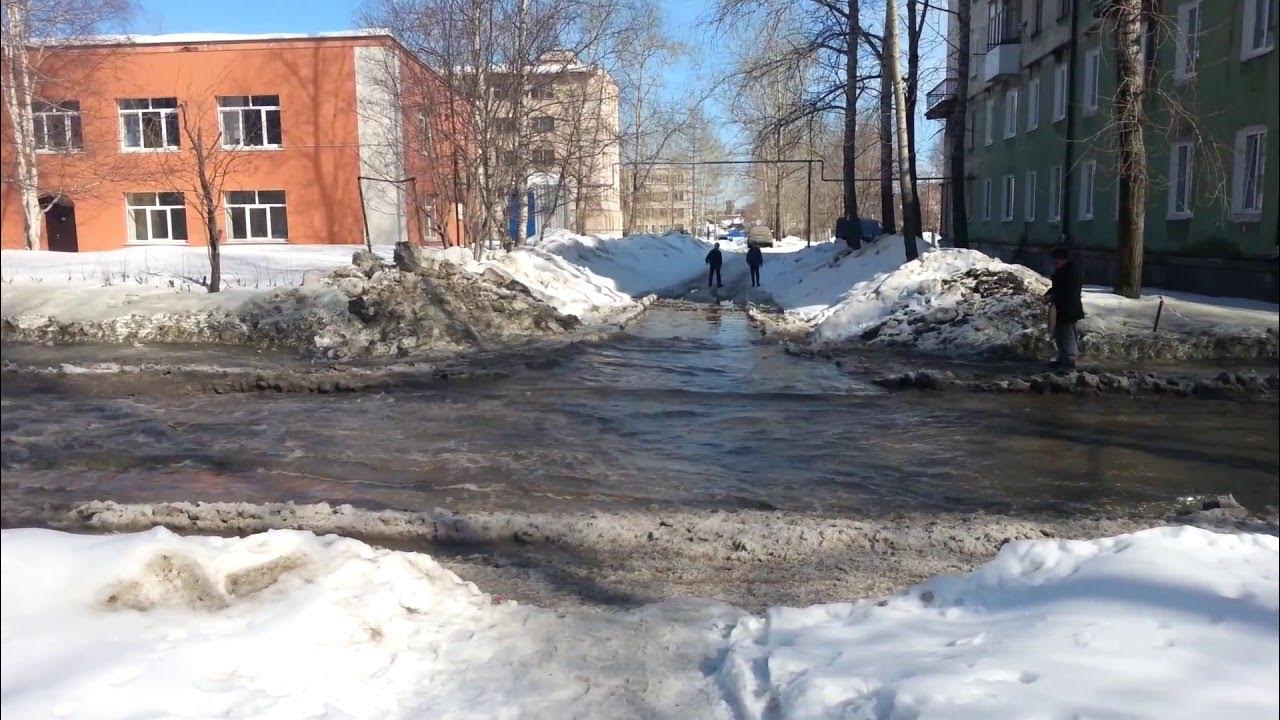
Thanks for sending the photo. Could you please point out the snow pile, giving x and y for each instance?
(1164, 623)
(569, 288)
(962, 302)
(1167, 623)
(638, 265)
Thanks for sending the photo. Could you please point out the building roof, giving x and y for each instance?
(203, 37)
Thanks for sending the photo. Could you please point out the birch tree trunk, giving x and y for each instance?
(18, 95)
(893, 65)
(957, 129)
(887, 213)
(1131, 152)
(849, 157)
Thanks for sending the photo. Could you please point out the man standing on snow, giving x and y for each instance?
(1064, 296)
(715, 260)
(755, 258)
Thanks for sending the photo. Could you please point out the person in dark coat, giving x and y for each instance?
(714, 261)
(1064, 295)
(755, 258)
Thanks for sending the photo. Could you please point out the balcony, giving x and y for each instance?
(1004, 45)
(941, 100)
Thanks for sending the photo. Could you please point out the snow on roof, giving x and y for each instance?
(207, 37)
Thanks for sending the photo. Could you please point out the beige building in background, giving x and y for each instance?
(573, 146)
(665, 200)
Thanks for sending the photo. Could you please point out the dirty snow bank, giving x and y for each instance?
(285, 624)
(350, 312)
(638, 265)
(569, 288)
(962, 302)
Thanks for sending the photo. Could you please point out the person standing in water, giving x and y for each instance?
(714, 261)
(755, 258)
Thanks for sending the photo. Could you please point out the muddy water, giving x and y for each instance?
(690, 410)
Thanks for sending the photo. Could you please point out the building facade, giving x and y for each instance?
(314, 145)
(1040, 160)
(571, 143)
(664, 199)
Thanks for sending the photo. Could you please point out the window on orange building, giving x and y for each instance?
(159, 217)
(257, 215)
(249, 120)
(57, 126)
(149, 124)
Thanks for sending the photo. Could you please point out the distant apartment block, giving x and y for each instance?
(1039, 150)
(664, 199)
(299, 119)
(571, 121)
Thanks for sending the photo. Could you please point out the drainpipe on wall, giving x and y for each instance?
(1069, 150)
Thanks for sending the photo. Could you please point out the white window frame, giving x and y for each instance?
(1010, 113)
(1033, 104)
(1180, 173)
(1008, 198)
(986, 200)
(1055, 193)
(265, 206)
(44, 112)
(1088, 178)
(1187, 42)
(989, 115)
(153, 211)
(1249, 48)
(171, 144)
(1248, 174)
(1059, 92)
(1092, 71)
(1030, 193)
(259, 105)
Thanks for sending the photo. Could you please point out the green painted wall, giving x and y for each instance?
(1225, 95)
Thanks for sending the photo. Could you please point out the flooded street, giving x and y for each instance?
(690, 410)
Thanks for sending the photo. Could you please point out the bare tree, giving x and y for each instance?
(31, 30)
(201, 170)
(957, 128)
(910, 218)
(1131, 150)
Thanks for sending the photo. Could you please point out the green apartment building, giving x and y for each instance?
(1040, 160)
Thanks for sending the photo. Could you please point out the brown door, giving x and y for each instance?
(60, 227)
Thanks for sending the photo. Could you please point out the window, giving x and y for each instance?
(1257, 37)
(544, 156)
(1064, 9)
(1055, 193)
(1010, 113)
(969, 131)
(149, 123)
(57, 126)
(156, 217)
(249, 120)
(544, 124)
(257, 215)
(1031, 196)
(1187, 48)
(968, 198)
(1180, 180)
(986, 199)
(989, 121)
(1008, 198)
(1250, 161)
(1037, 17)
(542, 92)
(1092, 62)
(1088, 171)
(1059, 92)
(1033, 103)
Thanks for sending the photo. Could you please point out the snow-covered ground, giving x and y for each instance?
(637, 264)
(955, 301)
(1169, 623)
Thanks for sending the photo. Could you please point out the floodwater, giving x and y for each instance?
(691, 409)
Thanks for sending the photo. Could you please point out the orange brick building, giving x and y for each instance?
(296, 119)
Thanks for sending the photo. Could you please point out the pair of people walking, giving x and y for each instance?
(715, 260)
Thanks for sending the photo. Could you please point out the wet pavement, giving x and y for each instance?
(690, 409)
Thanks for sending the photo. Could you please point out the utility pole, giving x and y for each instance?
(777, 182)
